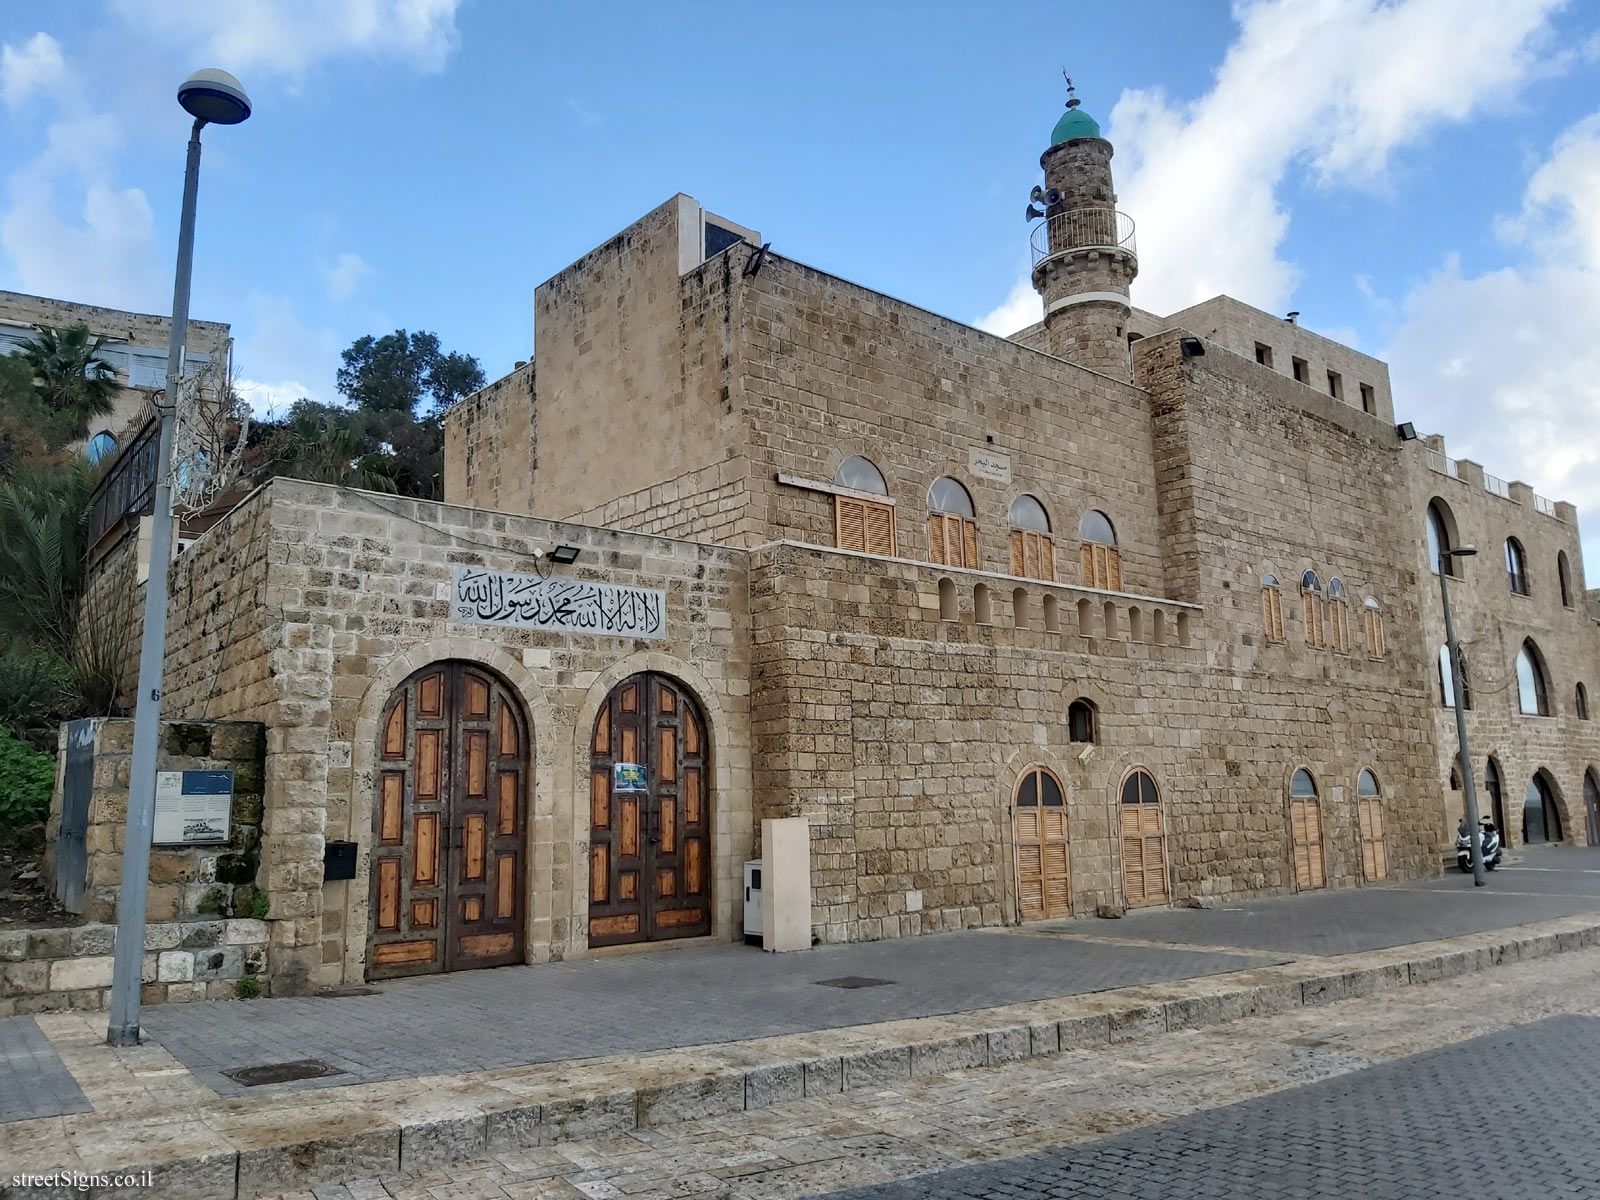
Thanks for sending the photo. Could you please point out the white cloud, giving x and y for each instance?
(1016, 312)
(1506, 363)
(71, 232)
(1330, 87)
(35, 66)
(290, 37)
(280, 359)
(345, 276)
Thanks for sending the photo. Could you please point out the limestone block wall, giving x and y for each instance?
(835, 370)
(186, 882)
(354, 597)
(1492, 623)
(491, 445)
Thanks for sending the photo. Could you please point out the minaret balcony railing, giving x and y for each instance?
(1082, 229)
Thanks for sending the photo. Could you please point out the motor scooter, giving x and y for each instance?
(1490, 848)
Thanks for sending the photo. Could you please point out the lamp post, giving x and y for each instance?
(211, 97)
(1474, 837)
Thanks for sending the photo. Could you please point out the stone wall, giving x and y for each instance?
(1492, 623)
(187, 883)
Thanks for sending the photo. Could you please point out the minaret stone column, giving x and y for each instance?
(1083, 249)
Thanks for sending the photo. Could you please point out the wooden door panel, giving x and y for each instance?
(648, 861)
(447, 859)
(1043, 852)
(1144, 856)
(1305, 824)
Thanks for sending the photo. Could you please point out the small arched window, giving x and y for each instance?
(1516, 567)
(1338, 617)
(1533, 692)
(1302, 786)
(1271, 609)
(859, 524)
(1081, 723)
(947, 600)
(1564, 574)
(1581, 702)
(952, 529)
(1033, 553)
(101, 445)
(1373, 617)
(1039, 787)
(1102, 562)
(1366, 783)
(1311, 605)
(1439, 542)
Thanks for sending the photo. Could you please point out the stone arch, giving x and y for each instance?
(575, 831)
(363, 764)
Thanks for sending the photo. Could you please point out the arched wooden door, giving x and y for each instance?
(448, 825)
(649, 815)
(1144, 851)
(1591, 806)
(1039, 825)
(1305, 830)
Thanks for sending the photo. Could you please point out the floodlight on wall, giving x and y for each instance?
(565, 555)
(1407, 431)
(1192, 347)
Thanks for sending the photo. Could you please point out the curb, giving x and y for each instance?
(282, 1144)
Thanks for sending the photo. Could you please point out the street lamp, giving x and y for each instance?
(1474, 839)
(211, 97)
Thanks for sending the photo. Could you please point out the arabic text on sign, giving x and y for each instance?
(485, 597)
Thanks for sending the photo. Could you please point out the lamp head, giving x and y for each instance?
(214, 97)
(1463, 551)
(565, 555)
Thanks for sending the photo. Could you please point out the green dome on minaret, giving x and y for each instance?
(1074, 123)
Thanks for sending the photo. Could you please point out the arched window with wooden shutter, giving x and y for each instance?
(1044, 878)
(1369, 823)
(1144, 854)
(1033, 553)
(952, 527)
(1338, 617)
(1271, 609)
(1305, 831)
(861, 523)
(1373, 616)
(1102, 563)
(1311, 604)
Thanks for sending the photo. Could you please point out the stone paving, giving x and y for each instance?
(1294, 1079)
(36, 1081)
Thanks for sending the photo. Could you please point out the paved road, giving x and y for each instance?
(1507, 1115)
(34, 1082)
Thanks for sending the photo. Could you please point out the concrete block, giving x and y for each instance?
(1044, 1038)
(90, 940)
(1077, 1032)
(691, 1100)
(513, 1125)
(825, 1076)
(590, 1116)
(777, 1084)
(442, 1140)
(348, 1147)
(243, 932)
(1193, 1012)
(13, 945)
(1009, 1045)
(70, 974)
(175, 966)
(950, 1054)
(1130, 1023)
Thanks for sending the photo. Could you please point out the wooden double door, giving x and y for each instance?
(1305, 829)
(448, 825)
(649, 815)
(1144, 846)
(1039, 828)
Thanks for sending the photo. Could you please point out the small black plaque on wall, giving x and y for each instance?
(338, 861)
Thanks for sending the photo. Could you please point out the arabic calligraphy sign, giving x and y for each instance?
(483, 597)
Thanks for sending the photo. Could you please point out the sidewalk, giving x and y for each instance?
(453, 1067)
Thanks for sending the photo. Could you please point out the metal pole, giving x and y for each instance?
(1474, 835)
(123, 1029)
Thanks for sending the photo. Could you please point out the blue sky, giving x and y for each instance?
(1420, 177)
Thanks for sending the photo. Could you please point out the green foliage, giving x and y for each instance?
(247, 987)
(395, 373)
(71, 378)
(258, 910)
(43, 520)
(27, 778)
(35, 687)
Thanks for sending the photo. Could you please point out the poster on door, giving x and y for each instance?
(629, 777)
(193, 808)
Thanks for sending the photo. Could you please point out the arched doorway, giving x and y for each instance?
(1144, 851)
(1591, 806)
(1044, 877)
(649, 815)
(1541, 819)
(1369, 820)
(1497, 803)
(448, 825)
(1305, 829)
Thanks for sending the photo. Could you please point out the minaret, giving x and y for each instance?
(1083, 249)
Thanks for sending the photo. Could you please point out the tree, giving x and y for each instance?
(397, 372)
(43, 519)
(72, 379)
(30, 431)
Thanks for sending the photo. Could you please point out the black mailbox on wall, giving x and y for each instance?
(338, 860)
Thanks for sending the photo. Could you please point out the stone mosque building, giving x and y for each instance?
(1122, 610)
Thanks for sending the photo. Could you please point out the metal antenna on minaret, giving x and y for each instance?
(1072, 92)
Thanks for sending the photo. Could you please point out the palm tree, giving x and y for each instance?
(70, 375)
(329, 450)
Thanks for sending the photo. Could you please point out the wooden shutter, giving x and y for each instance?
(1272, 614)
(1340, 612)
(1019, 552)
(1144, 860)
(969, 543)
(1374, 632)
(1056, 861)
(936, 538)
(1030, 864)
(1102, 567)
(1305, 821)
(850, 524)
(1315, 633)
(879, 520)
(1033, 554)
(1374, 856)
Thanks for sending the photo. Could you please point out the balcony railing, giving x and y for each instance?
(1441, 462)
(1082, 229)
(129, 486)
(1547, 507)
(1497, 486)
